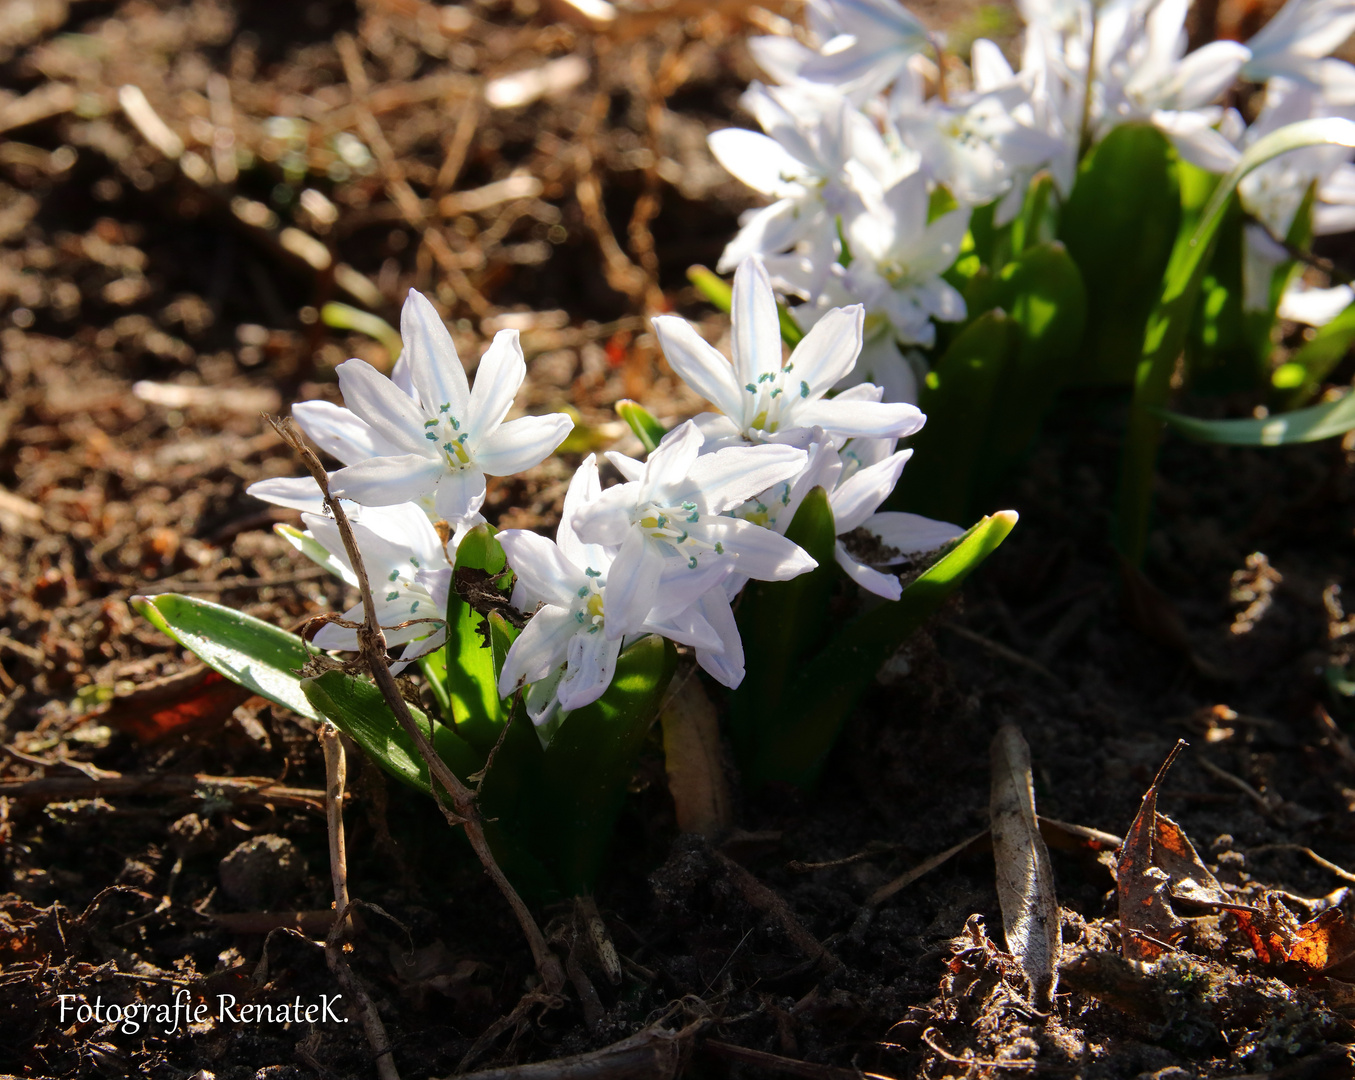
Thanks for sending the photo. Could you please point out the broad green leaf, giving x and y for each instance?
(1035, 224)
(721, 295)
(1316, 422)
(355, 706)
(1301, 377)
(1119, 224)
(472, 686)
(648, 430)
(1167, 326)
(591, 760)
(819, 700)
(244, 649)
(960, 398)
(1041, 289)
(345, 317)
(780, 623)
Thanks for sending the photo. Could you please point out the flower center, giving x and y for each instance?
(444, 431)
(667, 525)
(589, 609)
(769, 396)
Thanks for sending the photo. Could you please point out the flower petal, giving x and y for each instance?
(699, 364)
(460, 494)
(632, 586)
(886, 585)
(502, 370)
(516, 446)
(669, 465)
(540, 648)
(726, 478)
(760, 162)
(435, 369)
(375, 399)
(727, 665)
(294, 492)
(606, 520)
(589, 669)
(762, 554)
(340, 432)
(855, 419)
(857, 497)
(542, 566)
(755, 325)
(385, 481)
(828, 352)
(910, 534)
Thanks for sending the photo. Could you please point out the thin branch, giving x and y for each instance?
(372, 642)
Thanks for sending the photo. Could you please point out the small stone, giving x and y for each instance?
(262, 872)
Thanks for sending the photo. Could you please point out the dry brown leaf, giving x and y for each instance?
(189, 701)
(1148, 926)
(1190, 879)
(1025, 880)
(692, 759)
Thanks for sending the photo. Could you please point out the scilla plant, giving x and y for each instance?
(1115, 206)
(547, 660)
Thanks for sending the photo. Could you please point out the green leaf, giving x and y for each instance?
(244, 649)
(648, 430)
(821, 698)
(1042, 291)
(355, 706)
(590, 762)
(345, 317)
(780, 623)
(1166, 330)
(1302, 376)
(1035, 223)
(1312, 424)
(472, 683)
(721, 295)
(1119, 224)
(960, 397)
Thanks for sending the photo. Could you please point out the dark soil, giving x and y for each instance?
(119, 266)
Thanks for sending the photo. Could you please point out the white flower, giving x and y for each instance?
(669, 521)
(406, 567)
(763, 400)
(569, 648)
(816, 157)
(447, 437)
(1294, 42)
(1314, 306)
(865, 45)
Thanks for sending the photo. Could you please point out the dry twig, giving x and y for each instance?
(463, 810)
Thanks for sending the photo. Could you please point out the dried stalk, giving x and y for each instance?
(372, 643)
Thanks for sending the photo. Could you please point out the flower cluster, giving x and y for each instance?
(874, 160)
(665, 550)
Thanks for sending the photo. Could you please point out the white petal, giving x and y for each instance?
(886, 585)
(769, 230)
(340, 432)
(755, 325)
(762, 554)
(668, 466)
(584, 487)
(386, 481)
(544, 569)
(990, 67)
(726, 478)
(460, 494)
(854, 419)
(687, 628)
(628, 467)
(1198, 143)
(1206, 73)
(857, 497)
(761, 163)
(726, 666)
(434, 367)
(589, 669)
(606, 520)
(293, 492)
(519, 444)
(538, 649)
(828, 352)
(698, 364)
(502, 370)
(911, 534)
(375, 399)
(1315, 307)
(632, 586)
